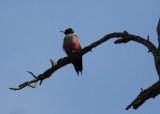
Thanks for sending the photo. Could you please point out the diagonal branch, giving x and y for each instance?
(124, 38)
(151, 92)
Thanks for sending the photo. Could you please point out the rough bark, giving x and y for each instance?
(123, 37)
(144, 95)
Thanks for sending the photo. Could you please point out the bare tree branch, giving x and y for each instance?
(151, 92)
(124, 37)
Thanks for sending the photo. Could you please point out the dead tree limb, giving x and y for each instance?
(123, 37)
(144, 95)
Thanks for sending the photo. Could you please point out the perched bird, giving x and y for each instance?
(71, 44)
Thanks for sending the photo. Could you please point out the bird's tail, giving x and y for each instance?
(78, 65)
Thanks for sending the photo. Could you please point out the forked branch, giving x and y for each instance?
(123, 37)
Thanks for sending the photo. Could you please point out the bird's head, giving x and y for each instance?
(68, 31)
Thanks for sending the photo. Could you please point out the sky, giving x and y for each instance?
(113, 74)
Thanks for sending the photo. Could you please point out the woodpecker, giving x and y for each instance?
(71, 44)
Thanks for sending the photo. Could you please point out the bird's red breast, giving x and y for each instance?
(70, 44)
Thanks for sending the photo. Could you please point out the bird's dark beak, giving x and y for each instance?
(62, 31)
